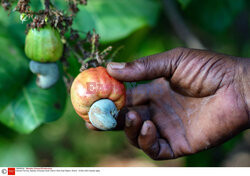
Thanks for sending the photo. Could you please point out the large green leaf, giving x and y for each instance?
(23, 105)
(12, 23)
(34, 106)
(13, 71)
(116, 19)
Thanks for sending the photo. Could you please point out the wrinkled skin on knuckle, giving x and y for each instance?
(202, 73)
(143, 64)
(158, 65)
(150, 67)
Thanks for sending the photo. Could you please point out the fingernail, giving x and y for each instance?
(128, 122)
(117, 65)
(129, 119)
(144, 129)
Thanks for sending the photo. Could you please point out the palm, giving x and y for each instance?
(197, 106)
(192, 124)
(195, 102)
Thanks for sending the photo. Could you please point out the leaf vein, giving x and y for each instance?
(30, 105)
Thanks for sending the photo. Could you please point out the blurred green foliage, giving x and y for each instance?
(184, 3)
(39, 106)
(115, 20)
(141, 28)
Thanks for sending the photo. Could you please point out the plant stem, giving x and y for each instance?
(93, 45)
(179, 25)
(87, 60)
(47, 4)
(79, 58)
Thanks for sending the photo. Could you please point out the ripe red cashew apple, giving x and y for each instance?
(97, 97)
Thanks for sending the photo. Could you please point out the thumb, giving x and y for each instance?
(147, 68)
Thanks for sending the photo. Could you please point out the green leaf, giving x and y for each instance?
(184, 3)
(13, 71)
(34, 106)
(23, 105)
(214, 16)
(13, 25)
(114, 19)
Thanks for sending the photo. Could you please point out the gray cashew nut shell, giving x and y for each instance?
(47, 73)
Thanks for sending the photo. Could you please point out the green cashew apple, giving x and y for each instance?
(43, 45)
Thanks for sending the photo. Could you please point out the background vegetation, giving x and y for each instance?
(40, 128)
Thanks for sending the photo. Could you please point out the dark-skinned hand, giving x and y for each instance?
(197, 100)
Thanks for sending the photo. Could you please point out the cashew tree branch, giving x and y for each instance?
(180, 26)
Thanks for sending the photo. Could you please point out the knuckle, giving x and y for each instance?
(178, 50)
(143, 63)
(145, 66)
